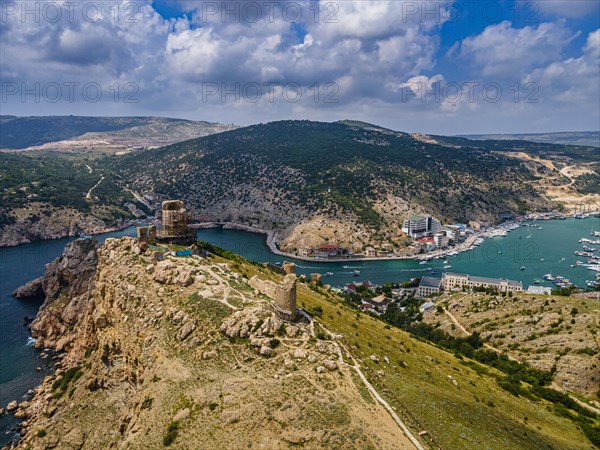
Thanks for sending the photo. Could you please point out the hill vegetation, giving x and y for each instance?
(177, 375)
(282, 175)
(77, 134)
(347, 183)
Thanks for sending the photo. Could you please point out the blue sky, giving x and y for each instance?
(418, 66)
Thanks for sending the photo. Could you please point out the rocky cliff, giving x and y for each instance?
(158, 351)
(68, 284)
(185, 347)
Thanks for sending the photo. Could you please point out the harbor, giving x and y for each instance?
(524, 251)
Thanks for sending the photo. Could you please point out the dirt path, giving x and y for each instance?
(88, 196)
(486, 345)
(372, 390)
(553, 385)
(139, 198)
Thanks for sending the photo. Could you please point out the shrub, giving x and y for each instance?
(171, 435)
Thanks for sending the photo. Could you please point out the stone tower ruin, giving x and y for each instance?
(175, 223)
(283, 295)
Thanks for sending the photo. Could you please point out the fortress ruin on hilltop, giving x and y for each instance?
(175, 226)
(283, 295)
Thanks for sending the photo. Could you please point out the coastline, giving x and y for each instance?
(483, 233)
(69, 234)
(271, 243)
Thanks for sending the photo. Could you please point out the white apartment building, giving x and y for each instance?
(420, 226)
(456, 281)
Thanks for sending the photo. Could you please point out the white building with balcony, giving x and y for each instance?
(420, 226)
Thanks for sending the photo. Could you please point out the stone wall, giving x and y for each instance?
(283, 295)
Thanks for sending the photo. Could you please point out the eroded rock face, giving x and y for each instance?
(68, 284)
(31, 289)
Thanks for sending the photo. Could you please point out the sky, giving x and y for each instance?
(452, 67)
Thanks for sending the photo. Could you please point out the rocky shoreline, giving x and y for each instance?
(19, 234)
(68, 286)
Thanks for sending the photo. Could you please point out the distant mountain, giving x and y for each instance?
(346, 182)
(6, 118)
(586, 138)
(99, 134)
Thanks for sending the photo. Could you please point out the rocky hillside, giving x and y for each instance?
(184, 353)
(348, 182)
(91, 135)
(560, 335)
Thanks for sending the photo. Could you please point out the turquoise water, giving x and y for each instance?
(540, 251)
(497, 257)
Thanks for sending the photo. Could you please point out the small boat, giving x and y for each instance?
(542, 259)
(529, 236)
(329, 274)
(536, 281)
(539, 228)
(446, 262)
(423, 262)
(356, 273)
(522, 268)
(447, 266)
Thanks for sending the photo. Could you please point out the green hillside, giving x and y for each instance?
(343, 168)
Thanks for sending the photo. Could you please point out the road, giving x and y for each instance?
(89, 193)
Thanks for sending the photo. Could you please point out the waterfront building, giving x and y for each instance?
(421, 226)
(539, 290)
(370, 252)
(428, 286)
(452, 281)
(440, 239)
(305, 252)
(452, 232)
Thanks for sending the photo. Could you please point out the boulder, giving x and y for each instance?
(163, 272)
(186, 330)
(374, 358)
(329, 364)
(288, 363)
(182, 414)
(184, 278)
(300, 353)
(266, 351)
(321, 369)
(31, 289)
(12, 406)
(209, 355)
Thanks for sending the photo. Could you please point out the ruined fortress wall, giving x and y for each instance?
(284, 295)
(175, 220)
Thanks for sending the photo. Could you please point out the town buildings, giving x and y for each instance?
(456, 281)
(428, 286)
(420, 226)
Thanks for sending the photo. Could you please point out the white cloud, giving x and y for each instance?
(563, 8)
(573, 82)
(372, 50)
(502, 50)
